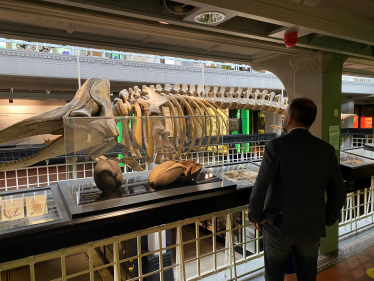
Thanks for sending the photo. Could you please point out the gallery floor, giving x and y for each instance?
(352, 262)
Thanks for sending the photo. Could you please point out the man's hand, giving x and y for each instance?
(257, 225)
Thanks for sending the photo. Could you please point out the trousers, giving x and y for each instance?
(277, 249)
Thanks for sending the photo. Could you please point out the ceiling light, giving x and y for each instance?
(163, 22)
(210, 17)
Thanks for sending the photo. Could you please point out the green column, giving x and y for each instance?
(318, 76)
(246, 126)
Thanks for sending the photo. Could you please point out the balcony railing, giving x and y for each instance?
(91, 52)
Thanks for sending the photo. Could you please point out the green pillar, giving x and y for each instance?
(246, 126)
(318, 76)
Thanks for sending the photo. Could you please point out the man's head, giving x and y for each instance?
(301, 112)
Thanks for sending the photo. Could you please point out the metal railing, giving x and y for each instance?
(220, 259)
(358, 211)
(360, 141)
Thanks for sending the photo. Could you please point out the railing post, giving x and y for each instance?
(116, 266)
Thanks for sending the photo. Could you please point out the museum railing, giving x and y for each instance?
(358, 211)
(224, 244)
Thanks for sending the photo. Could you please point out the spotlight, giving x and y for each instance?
(163, 22)
(210, 17)
(48, 91)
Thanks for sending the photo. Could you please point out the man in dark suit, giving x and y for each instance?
(296, 171)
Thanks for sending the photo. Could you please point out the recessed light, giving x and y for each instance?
(210, 17)
(163, 22)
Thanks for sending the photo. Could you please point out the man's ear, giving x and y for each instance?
(290, 119)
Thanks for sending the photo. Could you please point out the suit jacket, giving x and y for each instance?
(296, 171)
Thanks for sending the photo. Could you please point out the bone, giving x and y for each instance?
(278, 104)
(202, 121)
(151, 87)
(211, 124)
(137, 91)
(192, 90)
(233, 100)
(176, 89)
(199, 90)
(283, 106)
(167, 88)
(159, 89)
(49, 122)
(100, 92)
(217, 97)
(269, 102)
(241, 102)
(344, 116)
(257, 100)
(206, 91)
(183, 122)
(225, 100)
(184, 89)
(265, 103)
(93, 99)
(138, 129)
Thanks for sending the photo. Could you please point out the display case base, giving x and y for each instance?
(101, 206)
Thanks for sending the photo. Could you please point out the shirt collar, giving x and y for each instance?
(297, 128)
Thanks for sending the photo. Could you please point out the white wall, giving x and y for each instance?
(11, 113)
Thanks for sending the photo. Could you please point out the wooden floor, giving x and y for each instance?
(352, 269)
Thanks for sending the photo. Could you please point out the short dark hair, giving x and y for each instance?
(303, 110)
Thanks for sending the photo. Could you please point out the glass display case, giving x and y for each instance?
(356, 168)
(361, 152)
(243, 174)
(136, 146)
(25, 209)
(353, 160)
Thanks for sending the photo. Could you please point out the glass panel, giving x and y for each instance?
(138, 145)
(361, 152)
(242, 174)
(352, 160)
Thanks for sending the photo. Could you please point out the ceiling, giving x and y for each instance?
(253, 28)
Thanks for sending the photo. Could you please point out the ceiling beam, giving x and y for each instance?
(289, 13)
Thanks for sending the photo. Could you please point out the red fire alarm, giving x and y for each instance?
(290, 37)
